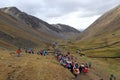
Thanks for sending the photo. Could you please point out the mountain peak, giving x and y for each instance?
(66, 28)
(11, 10)
(12, 7)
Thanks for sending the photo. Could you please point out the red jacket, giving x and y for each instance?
(85, 70)
(18, 51)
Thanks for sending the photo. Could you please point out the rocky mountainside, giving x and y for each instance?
(68, 31)
(18, 28)
(38, 24)
(65, 28)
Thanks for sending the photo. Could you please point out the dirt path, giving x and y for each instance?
(94, 73)
(88, 76)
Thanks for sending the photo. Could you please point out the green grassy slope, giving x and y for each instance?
(102, 38)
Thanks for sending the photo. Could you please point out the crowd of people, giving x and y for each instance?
(68, 61)
(31, 51)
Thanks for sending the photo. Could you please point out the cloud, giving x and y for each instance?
(98, 7)
(70, 12)
(73, 20)
(58, 8)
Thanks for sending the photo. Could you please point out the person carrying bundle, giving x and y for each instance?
(76, 71)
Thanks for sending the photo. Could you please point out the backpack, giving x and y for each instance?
(85, 70)
(76, 71)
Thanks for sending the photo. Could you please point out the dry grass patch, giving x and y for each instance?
(32, 67)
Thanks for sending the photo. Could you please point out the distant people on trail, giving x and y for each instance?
(54, 45)
(39, 52)
(25, 50)
(89, 64)
(68, 53)
(18, 51)
(86, 65)
(76, 69)
(78, 51)
(83, 68)
(30, 51)
(44, 52)
(112, 77)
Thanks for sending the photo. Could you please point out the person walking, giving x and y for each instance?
(112, 77)
(89, 64)
(18, 51)
(44, 53)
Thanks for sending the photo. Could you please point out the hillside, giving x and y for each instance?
(37, 23)
(106, 24)
(19, 29)
(102, 38)
(17, 34)
(101, 42)
(31, 67)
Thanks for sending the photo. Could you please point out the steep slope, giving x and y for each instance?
(19, 34)
(34, 22)
(29, 20)
(108, 23)
(11, 32)
(22, 30)
(102, 38)
(31, 67)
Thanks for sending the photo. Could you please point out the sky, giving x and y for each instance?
(79, 14)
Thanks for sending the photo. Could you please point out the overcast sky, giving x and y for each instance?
(76, 13)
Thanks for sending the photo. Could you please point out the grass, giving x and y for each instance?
(105, 52)
(31, 67)
(98, 41)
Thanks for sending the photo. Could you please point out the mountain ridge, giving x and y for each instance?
(28, 29)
